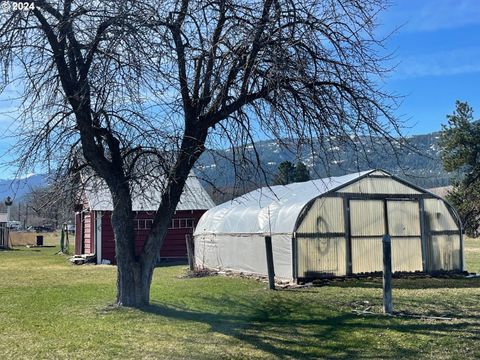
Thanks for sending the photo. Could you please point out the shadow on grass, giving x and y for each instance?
(419, 283)
(170, 263)
(289, 328)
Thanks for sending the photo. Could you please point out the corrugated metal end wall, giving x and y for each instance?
(319, 254)
(334, 241)
(443, 237)
(368, 224)
(378, 185)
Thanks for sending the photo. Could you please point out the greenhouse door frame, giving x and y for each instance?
(385, 198)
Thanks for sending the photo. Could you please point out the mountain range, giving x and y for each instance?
(18, 188)
(417, 160)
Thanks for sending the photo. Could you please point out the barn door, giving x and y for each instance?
(370, 220)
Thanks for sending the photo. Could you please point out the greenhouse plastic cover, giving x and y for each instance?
(268, 210)
(147, 197)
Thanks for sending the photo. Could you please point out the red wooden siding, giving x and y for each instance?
(88, 237)
(174, 244)
(78, 233)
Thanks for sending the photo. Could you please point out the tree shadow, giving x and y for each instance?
(414, 283)
(289, 328)
(170, 263)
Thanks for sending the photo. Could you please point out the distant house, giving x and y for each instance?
(4, 234)
(94, 232)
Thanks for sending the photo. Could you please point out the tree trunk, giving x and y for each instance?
(133, 284)
(133, 277)
(135, 270)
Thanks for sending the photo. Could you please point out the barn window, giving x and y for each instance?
(182, 224)
(174, 224)
(142, 224)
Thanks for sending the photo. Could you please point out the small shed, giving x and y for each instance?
(332, 227)
(94, 233)
(4, 231)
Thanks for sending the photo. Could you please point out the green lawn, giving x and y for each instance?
(50, 309)
(472, 254)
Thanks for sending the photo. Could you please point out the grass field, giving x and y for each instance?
(51, 309)
(472, 254)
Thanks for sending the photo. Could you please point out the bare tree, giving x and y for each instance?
(52, 204)
(120, 80)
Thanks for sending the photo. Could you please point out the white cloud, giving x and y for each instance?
(440, 63)
(432, 15)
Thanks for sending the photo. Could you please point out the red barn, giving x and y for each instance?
(94, 233)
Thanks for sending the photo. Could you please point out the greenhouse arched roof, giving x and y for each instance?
(268, 210)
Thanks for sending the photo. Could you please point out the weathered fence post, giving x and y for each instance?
(270, 268)
(8, 242)
(387, 275)
(62, 240)
(190, 252)
(66, 244)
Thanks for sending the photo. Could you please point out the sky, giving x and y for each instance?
(436, 53)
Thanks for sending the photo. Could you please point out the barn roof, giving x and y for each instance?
(3, 217)
(276, 208)
(147, 196)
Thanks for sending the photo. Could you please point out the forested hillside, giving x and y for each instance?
(417, 161)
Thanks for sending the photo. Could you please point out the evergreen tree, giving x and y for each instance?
(301, 173)
(286, 173)
(289, 173)
(460, 153)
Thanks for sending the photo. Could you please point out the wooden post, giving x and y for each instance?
(62, 241)
(387, 275)
(348, 235)
(190, 252)
(7, 241)
(270, 268)
(66, 244)
(423, 234)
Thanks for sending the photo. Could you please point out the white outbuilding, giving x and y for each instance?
(332, 227)
(4, 231)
